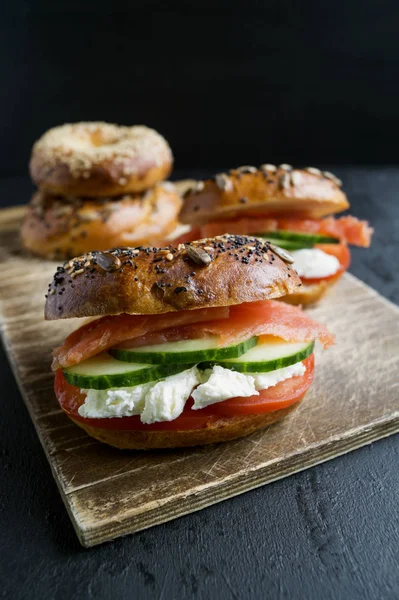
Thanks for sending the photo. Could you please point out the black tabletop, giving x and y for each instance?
(329, 532)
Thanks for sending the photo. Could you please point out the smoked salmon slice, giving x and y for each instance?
(269, 317)
(245, 226)
(231, 324)
(103, 333)
(349, 229)
(266, 317)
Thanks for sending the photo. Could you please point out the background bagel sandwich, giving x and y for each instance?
(187, 346)
(291, 208)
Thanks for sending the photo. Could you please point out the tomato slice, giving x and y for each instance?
(190, 236)
(280, 396)
(340, 251)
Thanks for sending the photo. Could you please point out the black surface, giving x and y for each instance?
(329, 532)
(253, 81)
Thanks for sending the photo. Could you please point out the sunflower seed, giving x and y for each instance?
(284, 181)
(285, 167)
(313, 170)
(113, 206)
(195, 189)
(118, 249)
(89, 215)
(223, 182)
(296, 178)
(37, 200)
(283, 254)
(168, 186)
(332, 177)
(147, 195)
(246, 169)
(38, 210)
(267, 167)
(198, 255)
(62, 210)
(199, 186)
(108, 262)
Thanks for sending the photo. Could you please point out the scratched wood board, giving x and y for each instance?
(108, 493)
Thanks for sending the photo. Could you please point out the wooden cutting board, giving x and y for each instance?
(108, 493)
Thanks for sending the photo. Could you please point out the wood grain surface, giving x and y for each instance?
(108, 493)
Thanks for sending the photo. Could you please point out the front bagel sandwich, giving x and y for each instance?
(188, 345)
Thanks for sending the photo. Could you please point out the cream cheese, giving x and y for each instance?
(222, 384)
(165, 400)
(313, 263)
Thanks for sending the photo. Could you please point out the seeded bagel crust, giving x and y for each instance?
(59, 227)
(223, 430)
(269, 190)
(99, 159)
(233, 269)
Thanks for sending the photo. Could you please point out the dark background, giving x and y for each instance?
(305, 82)
(227, 83)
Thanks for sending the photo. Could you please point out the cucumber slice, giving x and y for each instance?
(285, 238)
(184, 351)
(286, 244)
(267, 356)
(103, 371)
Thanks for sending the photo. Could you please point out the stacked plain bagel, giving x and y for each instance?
(100, 186)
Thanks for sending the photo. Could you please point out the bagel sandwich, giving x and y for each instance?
(186, 346)
(290, 207)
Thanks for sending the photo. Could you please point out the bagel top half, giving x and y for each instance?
(266, 191)
(99, 159)
(219, 271)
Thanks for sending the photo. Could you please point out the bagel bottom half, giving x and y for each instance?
(311, 294)
(223, 430)
(60, 228)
